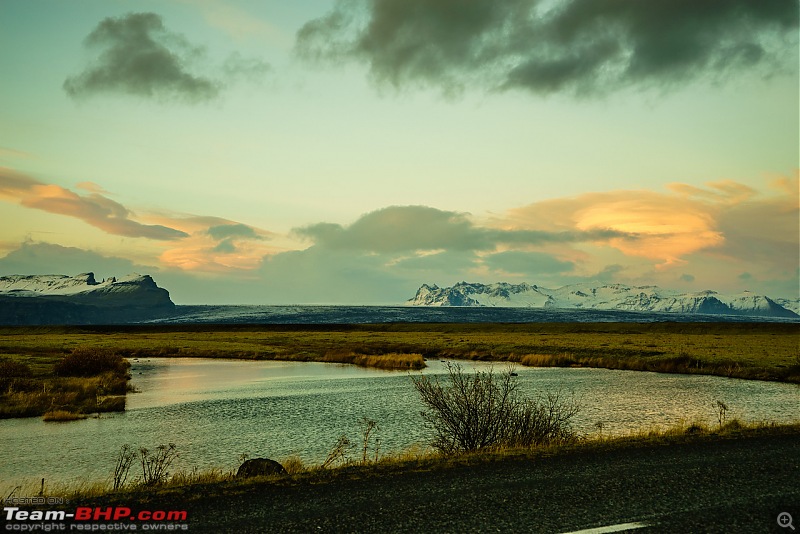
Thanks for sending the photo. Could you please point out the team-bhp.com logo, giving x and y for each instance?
(117, 518)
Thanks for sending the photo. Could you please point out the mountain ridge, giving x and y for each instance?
(600, 296)
(80, 299)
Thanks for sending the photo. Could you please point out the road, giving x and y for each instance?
(735, 485)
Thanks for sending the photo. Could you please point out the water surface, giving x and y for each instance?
(216, 410)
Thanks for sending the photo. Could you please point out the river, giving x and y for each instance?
(216, 410)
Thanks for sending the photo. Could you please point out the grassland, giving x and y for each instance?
(764, 351)
(28, 355)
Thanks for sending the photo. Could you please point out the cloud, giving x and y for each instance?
(725, 219)
(668, 227)
(139, 56)
(47, 258)
(527, 263)
(411, 228)
(240, 23)
(94, 209)
(224, 231)
(764, 229)
(440, 262)
(322, 276)
(91, 187)
(213, 244)
(579, 46)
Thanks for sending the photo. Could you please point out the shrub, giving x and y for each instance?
(122, 466)
(481, 410)
(9, 368)
(155, 465)
(90, 362)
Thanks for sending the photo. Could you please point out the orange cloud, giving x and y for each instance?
(91, 187)
(668, 226)
(202, 253)
(214, 244)
(94, 209)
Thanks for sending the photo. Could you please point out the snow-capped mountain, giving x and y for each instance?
(60, 299)
(598, 296)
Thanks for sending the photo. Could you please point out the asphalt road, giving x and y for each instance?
(737, 485)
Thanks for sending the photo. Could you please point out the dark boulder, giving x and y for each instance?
(257, 467)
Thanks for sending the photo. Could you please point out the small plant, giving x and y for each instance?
(125, 458)
(599, 425)
(368, 426)
(338, 452)
(294, 465)
(155, 465)
(722, 412)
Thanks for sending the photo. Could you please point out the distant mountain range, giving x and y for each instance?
(598, 296)
(81, 299)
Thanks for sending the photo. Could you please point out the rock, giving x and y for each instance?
(260, 467)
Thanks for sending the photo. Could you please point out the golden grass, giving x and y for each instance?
(392, 360)
(30, 387)
(62, 415)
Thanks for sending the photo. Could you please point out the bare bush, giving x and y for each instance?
(122, 466)
(338, 453)
(483, 410)
(155, 465)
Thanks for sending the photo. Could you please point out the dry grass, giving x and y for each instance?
(391, 361)
(221, 482)
(37, 383)
(62, 415)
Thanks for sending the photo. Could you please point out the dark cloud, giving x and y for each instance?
(687, 278)
(527, 263)
(224, 231)
(226, 246)
(409, 228)
(139, 56)
(582, 46)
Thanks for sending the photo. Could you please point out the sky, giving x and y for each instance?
(348, 151)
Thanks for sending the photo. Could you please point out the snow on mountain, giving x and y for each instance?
(52, 284)
(60, 299)
(790, 304)
(82, 285)
(599, 296)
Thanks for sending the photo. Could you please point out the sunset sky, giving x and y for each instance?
(322, 151)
